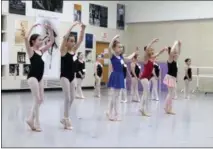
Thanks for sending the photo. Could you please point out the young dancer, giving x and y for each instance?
(68, 49)
(35, 50)
(171, 77)
(116, 79)
(154, 80)
(147, 74)
(135, 73)
(187, 78)
(98, 76)
(80, 74)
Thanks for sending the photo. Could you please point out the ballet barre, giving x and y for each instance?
(198, 76)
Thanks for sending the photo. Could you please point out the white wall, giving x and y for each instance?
(66, 18)
(149, 11)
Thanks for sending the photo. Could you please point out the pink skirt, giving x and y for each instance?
(170, 81)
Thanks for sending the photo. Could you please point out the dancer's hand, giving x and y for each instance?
(83, 26)
(155, 40)
(37, 24)
(46, 26)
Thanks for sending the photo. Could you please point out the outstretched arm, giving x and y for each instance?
(50, 43)
(131, 55)
(81, 38)
(111, 44)
(159, 53)
(66, 36)
(151, 43)
(26, 40)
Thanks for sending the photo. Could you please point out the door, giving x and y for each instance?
(100, 46)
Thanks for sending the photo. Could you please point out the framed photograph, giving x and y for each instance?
(120, 16)
(48, 5)
(98, 15)
(17, 7)
(88, 55)
(21, 57)
(103, 16)
(14, 69)
(77, 12)
(89, 41)
(26, 69)
(21, 27)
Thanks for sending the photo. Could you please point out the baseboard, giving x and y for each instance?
(46, 89)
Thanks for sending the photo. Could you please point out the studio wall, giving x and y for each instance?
(196, 37)
(152, 11)
(66, 20)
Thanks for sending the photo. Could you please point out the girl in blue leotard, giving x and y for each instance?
(116, 79)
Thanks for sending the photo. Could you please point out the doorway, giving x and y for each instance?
(100, 46)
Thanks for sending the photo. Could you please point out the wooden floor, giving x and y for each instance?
(192, 126)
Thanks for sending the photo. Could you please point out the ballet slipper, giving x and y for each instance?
(67, 124)
(109, 117)
(30, 124)
(143, 113)
(38, 129)
(117, 118)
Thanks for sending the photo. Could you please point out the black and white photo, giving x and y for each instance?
(14, 69)
(98, 15)
(21, 57)
(48, 5)
(88, 55)
(17, 7)
(103, 16)
(120, 16)
(26, 69)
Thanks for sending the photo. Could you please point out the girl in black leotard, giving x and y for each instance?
(170, 79)
(35, 51)
(68, 49)
(98, 76)
(135, 73)
(187, 78)
(80, 75)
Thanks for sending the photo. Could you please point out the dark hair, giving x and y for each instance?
(115, 43)
(186, 60)
(169, 50)
(79, 53)
(71, 35)
(33, 37)
(145, 48)
(135, 56)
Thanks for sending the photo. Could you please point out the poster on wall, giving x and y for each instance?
(14, 69)
(98, 15)
(5, 53)
(21, 27)
(52, 56)
(103, 16)
(26, 69)
(17, 7)
(21, 57)
(48, 5)
(89, 41)
(77, 12)
(88, 55)
(120, 16)
(75, 34)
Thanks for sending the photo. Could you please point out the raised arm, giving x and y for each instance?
(158, 53)
(66, 36)
(26, 40)
(81, 38)
(111, 44)
(151, 43)
(52, 40)
(131, 55)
